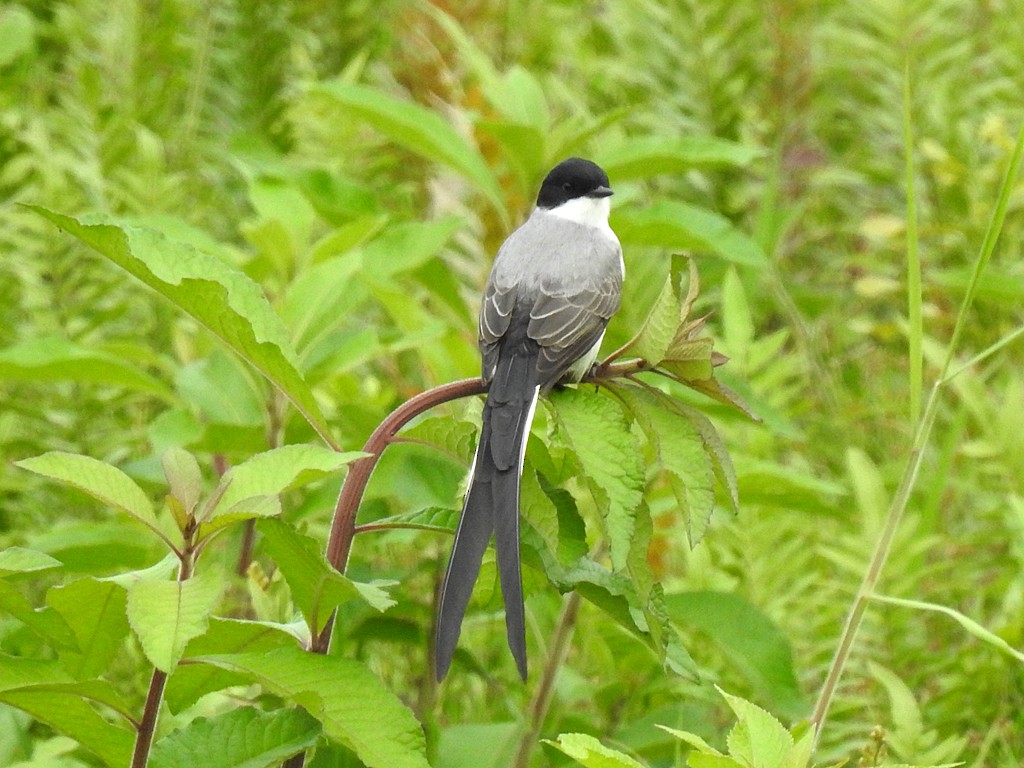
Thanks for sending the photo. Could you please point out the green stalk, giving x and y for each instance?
(921, 438)
(915, 331)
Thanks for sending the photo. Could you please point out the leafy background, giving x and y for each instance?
(768, 139)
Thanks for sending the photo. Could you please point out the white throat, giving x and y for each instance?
(588, 211)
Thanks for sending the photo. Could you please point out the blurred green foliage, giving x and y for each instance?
(361, 161)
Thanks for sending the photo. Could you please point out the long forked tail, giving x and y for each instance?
(491, 506)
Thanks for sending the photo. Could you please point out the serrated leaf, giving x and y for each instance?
(316, 587)
(418, 130)
(97, 478)
(19, 560)
(352, 704)
(95, 612)
(246, 509)
(440, 519)
(641, 158)
(588, 751)
(56, 359)
(609, 453)
(660, 326)
(681, 455)
(71, 715)
(277, 470)
(677, 226)
(222, 299)
(241, 738)
(192, 681)
(183, 477)
(455, 438)
(758, 739)
(165, 615)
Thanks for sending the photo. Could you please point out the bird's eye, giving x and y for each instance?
(567, 186)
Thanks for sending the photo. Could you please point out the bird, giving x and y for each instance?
(554, 285)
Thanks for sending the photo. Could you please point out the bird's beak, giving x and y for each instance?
(602, 192)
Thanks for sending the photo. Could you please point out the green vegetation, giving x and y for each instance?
(235, 236)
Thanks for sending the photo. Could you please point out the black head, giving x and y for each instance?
(570, 179)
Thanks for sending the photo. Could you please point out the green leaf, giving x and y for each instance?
(608, 451)
(316, 587)
(439, 519)
(95, 612)
(278, 470)
(19, 560)
(246, 509)
(418, 130)
(676, 226)
(99, 479)
(241, 738)
(757, 740)
(44, 690)
(165, 615)
(641, 158)
(973, 628)
(321, 297)
(183, 476)
(192, 681)
(17, 33)
(454, 438)
(44, 622)
(588, 751)
(353, 705)
(752, 642)
(224, 300)
(54, 358)
(405, 246)
(659, 329)
(681, 455)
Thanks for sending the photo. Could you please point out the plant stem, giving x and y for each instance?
(541, 701)
(921, 439)
(147, 725)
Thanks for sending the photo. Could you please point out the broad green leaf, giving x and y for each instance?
(95, 611)
(440, 519)
(758, 739)
(662, 322)
(241, 738)
(57, 359)
(352, 704)
(316, 587)
(700, 760)
(279, 469)
(183, 477)
(73, 716)
(641, 158)
(224, 300)
(321, 298)
(676, 226)
(165, 615)
(19, 560)
(714, 447)
(588, 751)
(99, 479)
(681, 455)
(192, 681)
(405, 246)
(246, 509)
(418, 130)
(751, 641)
(455, 438)
(608, 451)
(973, 628)
(44, 622)
(97, 546)
(222, 389)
